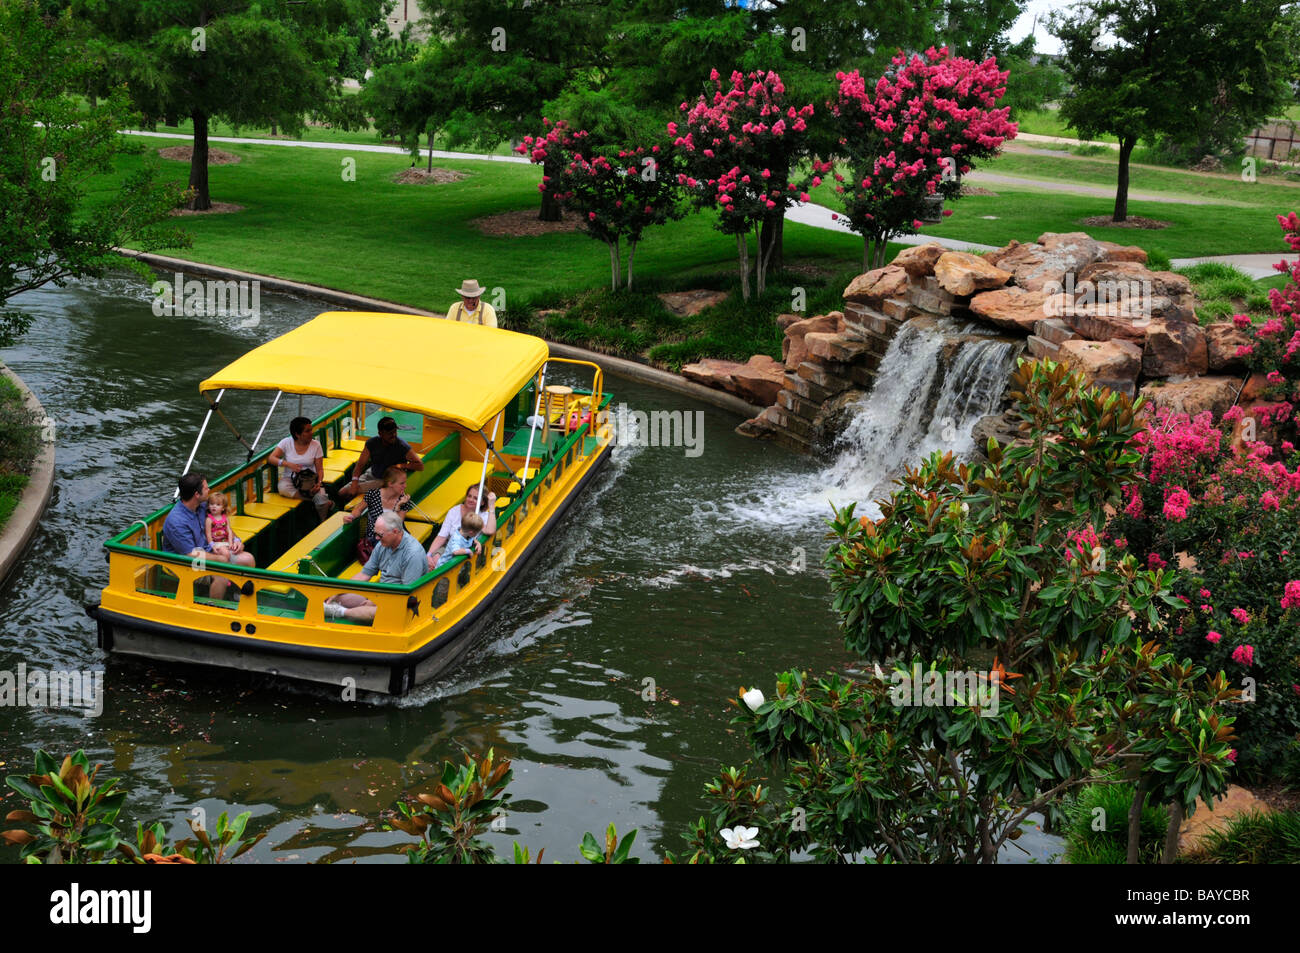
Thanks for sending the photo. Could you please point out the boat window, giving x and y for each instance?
(156, 580)
(206, 592)
(283, 601)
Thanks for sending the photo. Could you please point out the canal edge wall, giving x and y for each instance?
(618, 366)
(20, 528)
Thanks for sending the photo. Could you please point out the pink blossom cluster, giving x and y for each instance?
(1291, 594)
(924, 121)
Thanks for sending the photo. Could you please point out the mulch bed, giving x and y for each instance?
(426, 177)
(522, 223)
(218, 208)
(186, 153)
(1133, 221)
(976, 190)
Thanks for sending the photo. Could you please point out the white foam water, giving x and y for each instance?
(923, 400)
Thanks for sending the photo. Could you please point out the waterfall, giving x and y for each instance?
(937, 378)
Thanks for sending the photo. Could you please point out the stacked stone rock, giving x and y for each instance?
(1150, 343)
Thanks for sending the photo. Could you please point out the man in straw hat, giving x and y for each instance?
(469, 308)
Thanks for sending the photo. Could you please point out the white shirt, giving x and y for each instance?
(291, 455)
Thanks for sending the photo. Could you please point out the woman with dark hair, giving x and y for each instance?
(302, 469)
(391, 496)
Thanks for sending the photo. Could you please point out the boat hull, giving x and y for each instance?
(384, 673)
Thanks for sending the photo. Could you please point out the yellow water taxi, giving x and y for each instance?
(475, 405)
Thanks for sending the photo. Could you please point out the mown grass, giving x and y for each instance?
(1222, 291)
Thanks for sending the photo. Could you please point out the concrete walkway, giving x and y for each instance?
(337, 146)
(1100, 191)
(1257, 266)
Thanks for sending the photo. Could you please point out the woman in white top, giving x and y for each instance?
(300, 451)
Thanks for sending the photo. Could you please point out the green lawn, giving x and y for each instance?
(415, 243)
(1048, 122)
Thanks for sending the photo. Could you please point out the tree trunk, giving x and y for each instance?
(868, 253)
(275, 128)
(1171, 833)
(742, 250)
(771, 239)
(631, 253)
(201, 200)
(1135, 819)
(1121, 187)
(429, 133)
(613, 264)
(551, 211)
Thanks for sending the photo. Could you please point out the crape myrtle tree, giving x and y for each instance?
(906, 140)
(616, 198)
(1142, 68)
(740, 150)
(242, 61)
(52, 227)
(660, 49)
(1015, 659)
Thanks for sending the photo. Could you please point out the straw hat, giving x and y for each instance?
(470, 289)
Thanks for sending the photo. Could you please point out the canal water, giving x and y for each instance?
(681, 575)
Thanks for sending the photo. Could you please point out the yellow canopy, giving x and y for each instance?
(463, 373)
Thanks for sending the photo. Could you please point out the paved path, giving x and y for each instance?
(338, 146)
(1257, 266)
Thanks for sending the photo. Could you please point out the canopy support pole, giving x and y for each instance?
(532, 431)
(258, 438)
(212, 405)
(491, 449)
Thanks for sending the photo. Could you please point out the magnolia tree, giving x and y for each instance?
(1020, 661)
(907, 141)
(738, 150)
(615, 200)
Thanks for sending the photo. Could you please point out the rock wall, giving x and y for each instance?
(1095, 305)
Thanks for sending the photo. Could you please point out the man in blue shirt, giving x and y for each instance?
(185, 532)
(399, 559)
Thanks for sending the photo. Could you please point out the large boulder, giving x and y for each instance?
(1194, 395)
(1116, 252)
(962, 274)
(759, 380)
(830, 346)
(711, 372)
(1222, 338)
(1111, 281)
(793, 349)
(1100, 323)
(919, 260)
(1042, 266)
(688, 303)
(1013, 308)
(875, 286)
(1174, 349)
(1113, 364)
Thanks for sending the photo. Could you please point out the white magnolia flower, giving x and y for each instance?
(753, 698)
(740, 838)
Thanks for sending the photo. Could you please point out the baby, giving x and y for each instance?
(462, 542)
(217, 526)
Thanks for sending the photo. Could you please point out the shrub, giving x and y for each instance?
(1106, 806)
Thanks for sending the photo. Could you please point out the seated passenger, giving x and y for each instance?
(464, 541)
(185, 531)
(217, 526)
(400, 560)
(391, 496)
(382, 451)
(456, 515)
(302, 469)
